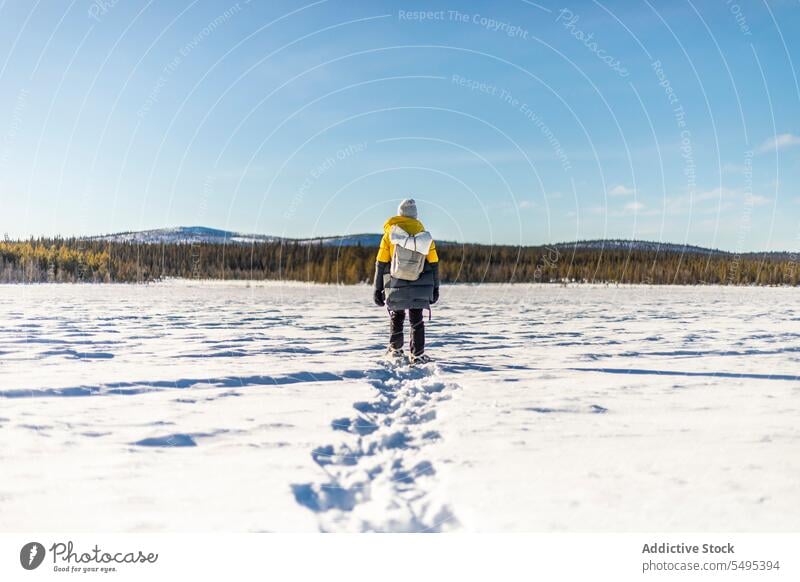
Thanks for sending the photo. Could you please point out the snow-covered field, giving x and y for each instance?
(194, 406)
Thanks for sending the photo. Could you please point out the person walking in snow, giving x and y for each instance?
(406, 279)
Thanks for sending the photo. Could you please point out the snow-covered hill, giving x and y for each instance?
(187, 235)
(365, 240)
(203, 234)
(637, 245)
(666, 247)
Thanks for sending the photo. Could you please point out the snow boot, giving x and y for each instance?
(395, 356)
(420, 359)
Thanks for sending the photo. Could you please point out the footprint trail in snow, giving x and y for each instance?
(380, 480)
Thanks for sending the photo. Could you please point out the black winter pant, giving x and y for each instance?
(396, 319)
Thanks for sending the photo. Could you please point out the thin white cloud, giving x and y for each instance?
(634, 206)
(730, 168)
(778, 142)
(620, 190)
(714, 201)
(717, 194)
(756, 200)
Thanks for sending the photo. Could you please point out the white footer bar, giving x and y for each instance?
(390, 557)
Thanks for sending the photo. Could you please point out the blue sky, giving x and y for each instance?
(511, 122)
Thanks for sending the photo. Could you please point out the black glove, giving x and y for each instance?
(379, 294)
(435, 268)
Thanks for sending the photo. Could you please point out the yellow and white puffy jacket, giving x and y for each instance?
(412, 226)
(402, 294)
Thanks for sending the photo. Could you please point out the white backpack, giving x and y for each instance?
(410, 252)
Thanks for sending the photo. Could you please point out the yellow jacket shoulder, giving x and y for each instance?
(411, 226)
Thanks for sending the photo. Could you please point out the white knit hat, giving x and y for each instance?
(408, 207)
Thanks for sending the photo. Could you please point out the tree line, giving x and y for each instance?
(76, 260)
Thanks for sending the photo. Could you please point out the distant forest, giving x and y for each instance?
(74, 260)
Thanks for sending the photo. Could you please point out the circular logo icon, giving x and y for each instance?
(31, 555)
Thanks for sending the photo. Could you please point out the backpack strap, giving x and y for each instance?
(422, 240)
